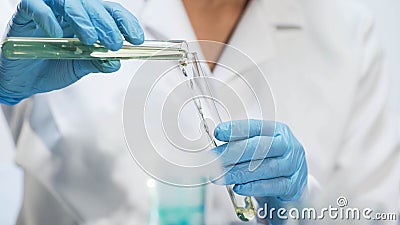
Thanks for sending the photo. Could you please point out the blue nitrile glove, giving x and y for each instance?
(89, 20)
(262, 159)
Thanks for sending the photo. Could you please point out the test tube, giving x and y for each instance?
(72, 48)
(200, 87)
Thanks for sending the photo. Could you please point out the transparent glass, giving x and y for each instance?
(72, 48)
(206, 107)
(176, 205)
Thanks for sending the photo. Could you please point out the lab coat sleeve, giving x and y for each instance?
(15, 116)
(367, 169)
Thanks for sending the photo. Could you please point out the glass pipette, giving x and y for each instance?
(72, 48)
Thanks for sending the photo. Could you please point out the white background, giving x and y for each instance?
(387, 14)
(10, 175)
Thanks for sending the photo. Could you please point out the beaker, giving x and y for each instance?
(173, 205)
(210, 117)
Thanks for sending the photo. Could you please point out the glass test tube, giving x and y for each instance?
(200, 87)
(72, 48)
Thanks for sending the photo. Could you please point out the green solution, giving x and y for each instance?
(247, 212)
(72, 48)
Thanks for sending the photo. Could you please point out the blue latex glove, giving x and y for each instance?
(262, 159)
(89, 20)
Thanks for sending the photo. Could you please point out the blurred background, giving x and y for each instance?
(387, 13)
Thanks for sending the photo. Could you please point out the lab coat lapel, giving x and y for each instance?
(285, 14)
(254, 36)
(166, 20)
(256, 33)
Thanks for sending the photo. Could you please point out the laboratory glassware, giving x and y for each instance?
(176, 205)
(203, 98)
(72, 48)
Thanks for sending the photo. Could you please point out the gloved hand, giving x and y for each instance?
(262, 159)
(89, 20)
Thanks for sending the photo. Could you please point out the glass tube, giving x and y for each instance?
(72, 48)
(199, 86)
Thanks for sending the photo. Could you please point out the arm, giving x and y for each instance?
(92, 21)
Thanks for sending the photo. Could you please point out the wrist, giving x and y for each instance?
(5, 97)
(8, 101)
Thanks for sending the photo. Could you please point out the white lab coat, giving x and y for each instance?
(323, 63)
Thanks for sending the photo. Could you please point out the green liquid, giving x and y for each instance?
(72, 48)
(246, 213)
